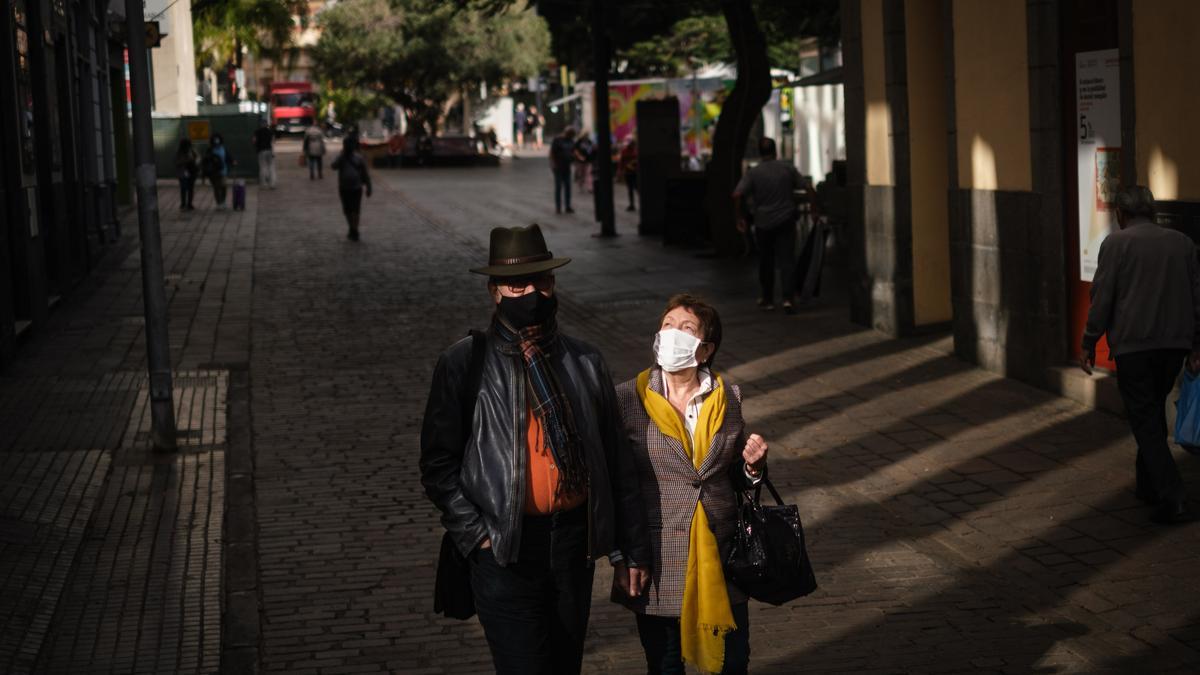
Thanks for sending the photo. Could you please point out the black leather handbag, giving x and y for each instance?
(768, 560)
(452, 594)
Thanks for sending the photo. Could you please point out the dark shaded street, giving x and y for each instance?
(958, 521)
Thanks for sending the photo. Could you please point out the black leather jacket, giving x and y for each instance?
(475, 473)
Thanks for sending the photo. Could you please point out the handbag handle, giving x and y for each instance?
(771, 488)
(756, 499)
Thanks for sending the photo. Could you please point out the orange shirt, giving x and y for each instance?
(541, 473)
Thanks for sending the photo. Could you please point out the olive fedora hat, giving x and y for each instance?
(519, 252)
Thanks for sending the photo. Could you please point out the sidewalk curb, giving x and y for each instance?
(241, 600)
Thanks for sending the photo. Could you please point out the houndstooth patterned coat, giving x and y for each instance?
(671, 485)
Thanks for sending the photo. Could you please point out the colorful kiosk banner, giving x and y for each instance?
(1098, 144)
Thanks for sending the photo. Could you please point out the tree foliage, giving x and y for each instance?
(694, 41)
(221, 27)
(423, 53)
(700, 38)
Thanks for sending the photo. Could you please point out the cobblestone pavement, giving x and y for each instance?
(959, 521)
(110, 553)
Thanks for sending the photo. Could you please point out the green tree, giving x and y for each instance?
(704, 39)
(424, 53)
(696, 40)
(220, 28)
(352, 104)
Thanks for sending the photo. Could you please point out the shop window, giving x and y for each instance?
(24, 88)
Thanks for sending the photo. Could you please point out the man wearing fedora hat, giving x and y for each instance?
(535, 481)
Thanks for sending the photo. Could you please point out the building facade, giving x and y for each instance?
(173, 62)
(64, 136)
(985, 141)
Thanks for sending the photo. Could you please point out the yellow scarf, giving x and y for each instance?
(706, 616)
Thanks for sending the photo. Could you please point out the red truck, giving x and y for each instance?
(293, 106)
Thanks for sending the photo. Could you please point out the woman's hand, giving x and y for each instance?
(631, 580)
(755, 453)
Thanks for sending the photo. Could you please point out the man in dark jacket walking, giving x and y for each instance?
(562, 152)
(771, 185)
(353, 176)
(1146, 298)
(539, 482)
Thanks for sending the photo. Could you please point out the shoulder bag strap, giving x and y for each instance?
(474, 379)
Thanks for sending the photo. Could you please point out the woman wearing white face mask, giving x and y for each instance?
(689, 441)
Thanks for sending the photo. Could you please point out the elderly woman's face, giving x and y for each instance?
(682, 318)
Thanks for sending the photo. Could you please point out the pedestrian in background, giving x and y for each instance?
(771, 186)
(627, 169)
(353, 176)
(187, 165)
(314, 151)
(562, 152)
(584, 154)
(523, 452)
(264, 140)
(216, 165)
(688, 610)
(519, 121)
(534, 123)
(1146, 298)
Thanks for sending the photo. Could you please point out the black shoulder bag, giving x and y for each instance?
(768, 560)
(452, 595)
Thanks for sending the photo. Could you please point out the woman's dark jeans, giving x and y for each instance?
(219, 189)
(664, 653)
(187, 191)
(315, 167)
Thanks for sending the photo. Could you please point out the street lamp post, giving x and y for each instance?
(154, 296)
(604, 181)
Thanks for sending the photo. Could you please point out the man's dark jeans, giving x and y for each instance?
(562, 189)
(315, 167)
(535, 611)
(1145, 379)
(664, 653)
(777, 248)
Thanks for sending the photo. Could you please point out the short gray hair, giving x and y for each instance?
(1136, 200)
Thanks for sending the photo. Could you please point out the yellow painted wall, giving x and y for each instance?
(991, 89)
(930, 175)
(1166, 61)
(878, 114)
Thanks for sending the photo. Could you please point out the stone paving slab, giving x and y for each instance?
(112, 552)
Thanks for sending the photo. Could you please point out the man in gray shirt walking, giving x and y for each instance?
(1146, 298)
(771, 186)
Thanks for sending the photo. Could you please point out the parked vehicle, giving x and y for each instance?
(293, 107)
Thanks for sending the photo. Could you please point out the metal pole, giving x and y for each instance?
(604, 183)
(154, 296)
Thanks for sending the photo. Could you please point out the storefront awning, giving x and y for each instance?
(560, 101)
(831, 76)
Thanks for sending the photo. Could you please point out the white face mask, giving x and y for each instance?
(675, 349)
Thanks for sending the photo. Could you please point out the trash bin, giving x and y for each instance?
(686, 223)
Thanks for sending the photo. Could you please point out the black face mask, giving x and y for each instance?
(531, 309)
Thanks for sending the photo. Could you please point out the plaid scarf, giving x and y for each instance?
(549, 402)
